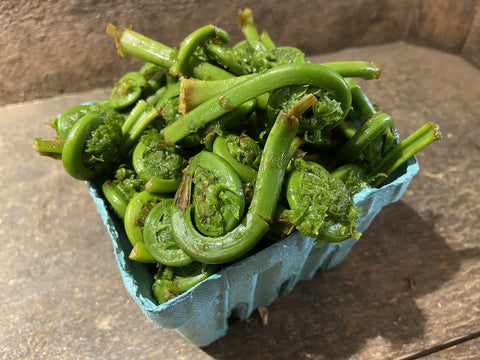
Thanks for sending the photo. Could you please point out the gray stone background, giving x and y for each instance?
(60, 46)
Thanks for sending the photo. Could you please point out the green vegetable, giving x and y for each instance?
(141, 254)
(127, 90)
(250, 140)
(158, 236)
(255, 224)
(190, 43)
(119, 191)
(194, 92)
(242, 152)
(249, 57)
(64, 123)
(91, 146)
(246, 24)
(217, 196)
(369, 144)
(423, 136)
(360, 102)
(136, 212)
(357, 69)
(172, 281)
(285, 75)
(141, 116)
(320, 206)
(51, 148)
(158, 164)
(142, 47)
(324, 115)
(352, 176)
(156, 78)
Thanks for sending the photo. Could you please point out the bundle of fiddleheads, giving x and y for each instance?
(208, 149)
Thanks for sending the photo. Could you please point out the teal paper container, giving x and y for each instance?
(201, 314)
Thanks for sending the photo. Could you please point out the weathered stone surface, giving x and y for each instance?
(442, 24)
(471, 49)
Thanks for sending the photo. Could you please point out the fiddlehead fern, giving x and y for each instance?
(217, 195)
(242, 152)
(158, 236)
(136, 212)
(320, 205)
(65, 121)
(92, 146)
(191, 42)
(158, 164)
(255, 224)
(127, 90)
(172, 281)
(121, 189)
(324, 115)
(370, 142)
(254, 86)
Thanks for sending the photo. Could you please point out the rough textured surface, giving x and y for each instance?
(55, 46)
(471, 49)
(463, 351)
(432, 23)
(410, 285)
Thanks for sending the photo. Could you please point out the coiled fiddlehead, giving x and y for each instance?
(158, 164)
(127, 90)
(65, 121)
(256, 223)
(254, 86)
(136, 212)
(92, 146)
(172, 281)
(213, 187)
(158, 236)
(191, 42)
(121, 189)
(242, 152)
(324, 115)
(320, 206)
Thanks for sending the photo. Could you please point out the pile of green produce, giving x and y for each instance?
(211, 151)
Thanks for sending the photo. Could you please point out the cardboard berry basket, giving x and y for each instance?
(201, 314)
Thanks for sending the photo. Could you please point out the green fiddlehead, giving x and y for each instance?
(121, 189)
(320, 205)
(158, 236)
(136, 212)
(127, 90)
(242, 152)
(92, 146)
(256, 223)
(191, 42)
(172, 281)
(158, 164)
(254, 86)
(216, 195)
